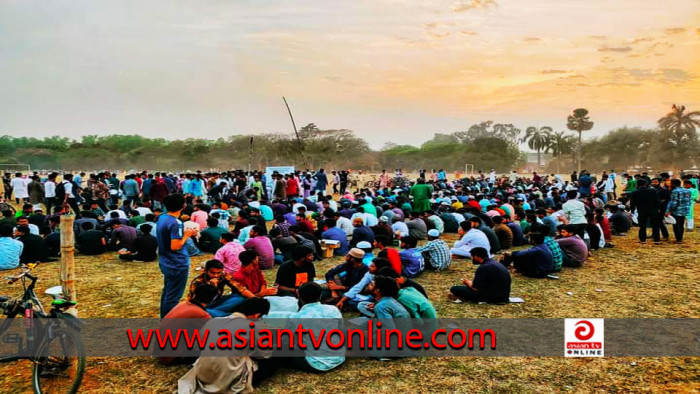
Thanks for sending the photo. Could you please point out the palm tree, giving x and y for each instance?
(559, 144)
(537, 139)
(679, 125)
(580, 122)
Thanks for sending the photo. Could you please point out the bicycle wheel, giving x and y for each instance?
(61, 369)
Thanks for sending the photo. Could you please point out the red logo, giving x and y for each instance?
(584, 332)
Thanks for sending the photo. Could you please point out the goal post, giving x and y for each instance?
(469, 169)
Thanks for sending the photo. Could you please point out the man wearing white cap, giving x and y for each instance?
(354, 270)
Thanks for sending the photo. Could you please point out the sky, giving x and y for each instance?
(390, 70)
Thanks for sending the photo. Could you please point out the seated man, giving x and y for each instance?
(35, 250)
(229, 253)
(144, 248)
(551, 243)
(24, 221)
(192, 310)
(344, 276)
(250, 276)
(214, 275)
(390, 254)
(90, 241)
(503, 232)
(436, 253)
(122, 237)
(282, 245)
(334, 233)
(311, 308)
(10, 249)
(386, 307)
(536, 262)
(261, 244)
(361, 232)
(354, 296)
(619, 223)
(209, 240)
(417, 227)
(417, 304)
(216, 374)
(411, 257)
(574, 248)
(471, 238)
(293, 274)
(491, 281)
(399, 227)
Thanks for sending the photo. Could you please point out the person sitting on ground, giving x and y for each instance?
(554, 248)
(213, 274)
(324, 359)
(491, 281)
(390, 254)
(143, 249)
(229, 253)
(209, 239)
(503, 233)
(436, 253)
(194, 311)
(355, 294)
(385, 306)
(34, 250)
(135, 218)
(411, 257)
(472, 237)
(332, 232)
(90, 241)
(151, 221)
(400, 228)
(122, 236)
(250, 275)
(361, 233)
(24, 221)
(10, 249)
(261, 244)
(417, 227)
(574, 248)
(296, 272)
(216, 374)
(282, 224)
(417, 304)
(346, 275)
(518, 236)
(619, 223)
(535, 262)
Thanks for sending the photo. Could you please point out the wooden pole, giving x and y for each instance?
(67, 261)
(296, 132)
(250, 155)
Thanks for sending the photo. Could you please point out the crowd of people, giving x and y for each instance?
(387, 235)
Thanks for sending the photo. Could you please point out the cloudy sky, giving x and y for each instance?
(391, 70)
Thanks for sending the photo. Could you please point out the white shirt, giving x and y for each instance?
(575, 211)
(345, 224)
(50, 189)
(121, 214)
(19, 186)
(401, 227)
(33, 229)
(68, 187)
(143, 211)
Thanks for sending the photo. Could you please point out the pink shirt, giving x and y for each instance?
(200, 217)
(263, 246)
(228, 254)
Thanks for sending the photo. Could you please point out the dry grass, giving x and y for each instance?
(629, 280)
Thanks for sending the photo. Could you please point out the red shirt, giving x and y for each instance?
(183, 310)
(253, 281)
(394, 259)
(292, 187)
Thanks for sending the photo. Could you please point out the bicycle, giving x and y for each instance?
(47, 335)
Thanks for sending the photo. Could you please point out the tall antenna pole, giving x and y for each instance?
(250, 155)
(301, 146)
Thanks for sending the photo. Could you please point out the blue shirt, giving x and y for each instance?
(389, 308)
(266, 213)
(170, 228)
(412, 261)
(10, 250)
(330, 358)
(337, 234)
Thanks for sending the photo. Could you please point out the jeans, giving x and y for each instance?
(224, 306)
(465, 293)
(174, 282)
(679, 227)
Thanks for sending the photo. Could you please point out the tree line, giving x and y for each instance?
(486, 145)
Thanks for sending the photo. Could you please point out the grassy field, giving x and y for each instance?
(630, 280)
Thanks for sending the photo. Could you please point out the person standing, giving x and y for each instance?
(19, 186)
(690, 218)
(173, 260)
(421, 193)
(646, 201)
(575, 212)
(678, 207)
(321, 181)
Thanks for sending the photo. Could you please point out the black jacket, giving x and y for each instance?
(646, 200)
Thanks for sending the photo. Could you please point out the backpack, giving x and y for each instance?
(61, 190)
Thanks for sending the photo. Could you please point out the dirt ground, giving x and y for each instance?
(628, 280)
